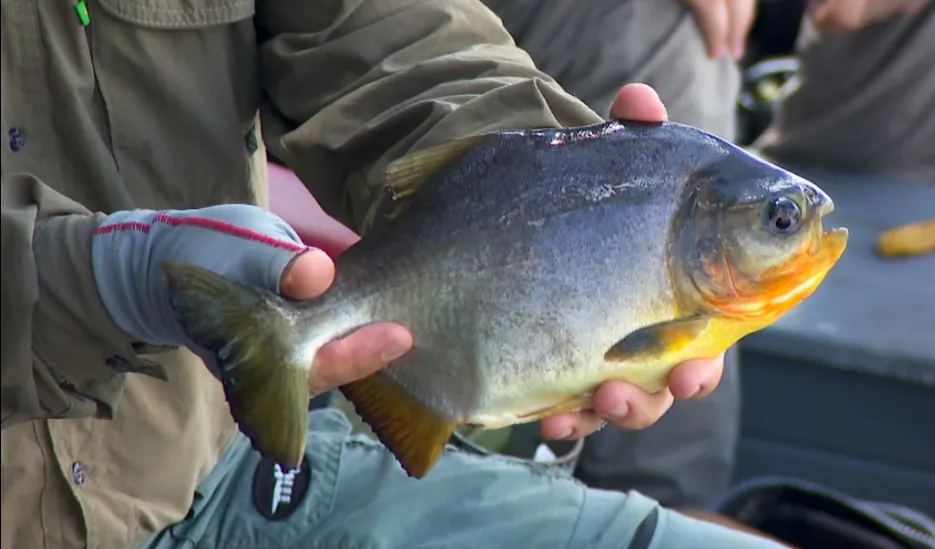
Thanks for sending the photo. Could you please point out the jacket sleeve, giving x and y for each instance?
(354, 84)
(62, 356)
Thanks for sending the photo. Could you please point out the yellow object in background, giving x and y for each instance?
(906, 240)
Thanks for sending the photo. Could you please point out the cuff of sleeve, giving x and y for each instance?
(73, 335)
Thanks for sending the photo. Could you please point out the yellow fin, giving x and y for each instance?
(415, 434)
(658, 339)
(248, 333)
(573, 405)
(406, 175)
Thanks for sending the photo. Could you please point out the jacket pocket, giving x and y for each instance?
(181, 86)
(179, 14)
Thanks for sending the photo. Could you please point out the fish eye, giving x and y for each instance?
(783, 215)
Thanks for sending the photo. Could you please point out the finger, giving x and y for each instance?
(696, 378)
(711, 18)
(638, 102)
(741, 14)
(629, 407)
(358, 355)
(837, 16)
(308, 275)
(912, 7)
(570, 426)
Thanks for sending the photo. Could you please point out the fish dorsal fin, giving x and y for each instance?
(657, 339)
(415, 434)
(409, 173)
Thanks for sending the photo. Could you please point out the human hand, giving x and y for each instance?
(364, 351)
(724, 25)
(243, 243)
(619, 402)
(837, 16)
(354, 356)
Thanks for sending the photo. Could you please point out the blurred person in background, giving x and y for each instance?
(863, 99)
(687, 50)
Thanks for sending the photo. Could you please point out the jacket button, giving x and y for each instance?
(118, 364)
(250, 142)
(17, 139)
(77, 473)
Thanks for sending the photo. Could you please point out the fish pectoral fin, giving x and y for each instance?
(407, 174)
(576, 404)
(415, 434)
(657, 339)
(246, 333)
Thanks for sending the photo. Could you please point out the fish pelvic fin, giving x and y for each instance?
(409, 173)
(573, 404)
(415, 434)
(250, 334)
(657, 339)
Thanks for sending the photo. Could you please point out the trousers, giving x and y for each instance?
(351, 494)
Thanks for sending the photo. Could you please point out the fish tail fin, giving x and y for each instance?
(252, 338)
(414, 433)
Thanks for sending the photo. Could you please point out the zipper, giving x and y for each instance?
(81, 9)
(83, 14)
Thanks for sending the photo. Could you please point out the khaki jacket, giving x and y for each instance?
(154, 104)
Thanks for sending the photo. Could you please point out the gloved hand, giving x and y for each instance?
(244, 243)
(251, 246)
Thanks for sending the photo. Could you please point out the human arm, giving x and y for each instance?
(62, 355)
(67, 346)
(289, 199)
(375, 80)
(836, 16)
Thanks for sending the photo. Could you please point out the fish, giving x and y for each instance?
(529, 266)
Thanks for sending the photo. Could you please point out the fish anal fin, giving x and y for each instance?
(657, 339)
(409, 173)
(414, 433)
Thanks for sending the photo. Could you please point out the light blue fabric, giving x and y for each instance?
(244, 243)
(359, 498)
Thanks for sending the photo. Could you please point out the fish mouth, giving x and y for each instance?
(789, 284)
(831, 246)
(815, 266)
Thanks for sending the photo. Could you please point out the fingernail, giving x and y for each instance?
(620, 411)
(392, 352)
(567, 433)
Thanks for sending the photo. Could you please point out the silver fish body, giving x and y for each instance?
(533, 265)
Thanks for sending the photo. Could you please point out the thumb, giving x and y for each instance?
(638, 102)
(308, 275)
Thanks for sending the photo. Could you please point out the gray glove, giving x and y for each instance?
(243, 243)
(250, 248)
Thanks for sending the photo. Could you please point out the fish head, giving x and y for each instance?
(751, 243)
